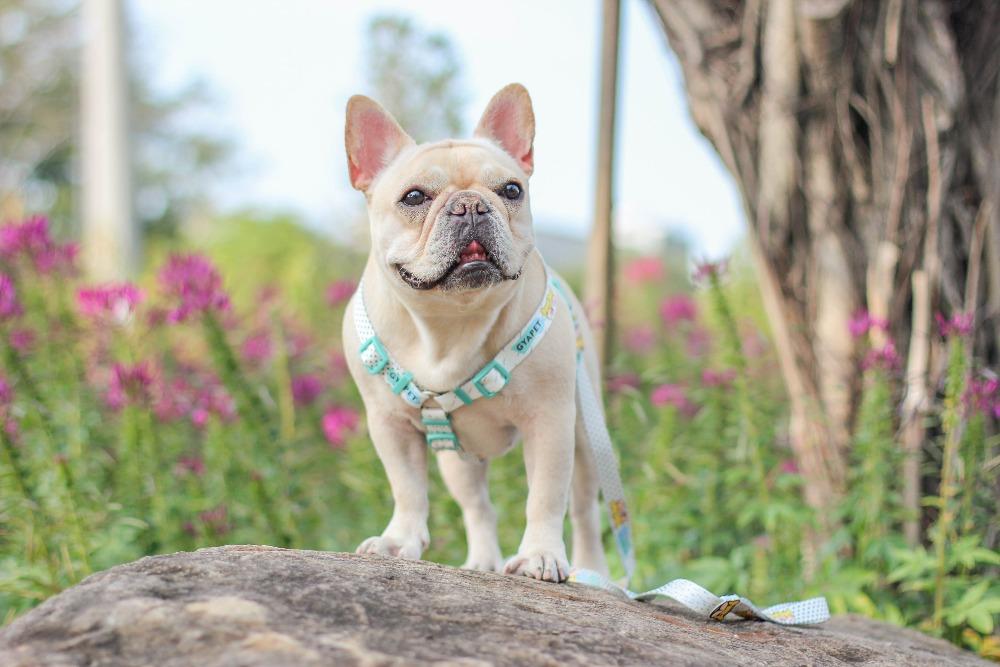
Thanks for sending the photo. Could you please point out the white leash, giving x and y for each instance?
(490, 380)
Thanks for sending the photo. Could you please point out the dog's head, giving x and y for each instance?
(450, 215)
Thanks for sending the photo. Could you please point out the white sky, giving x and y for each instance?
(282, 71)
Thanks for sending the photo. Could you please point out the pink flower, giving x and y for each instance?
(6, 393)
(22, 340)
(699, 341)
(886, 358)
(190, 464)
(130, 385)
(216, 520)
(10, 307)
(340, 292)
(116, 302)
(338, 367)
(256, 349)
(199, 417)
(338, 423)
(672, 395)
(306, 389)
(644, 270)
(981, 394)
(213, 399)
(679, 308)
(195, 286)
(616, 384)
(30, 238)
(705, 271)
(960, 324)
(640, 339)
(862, 322)
(724, 378)
(789, 467)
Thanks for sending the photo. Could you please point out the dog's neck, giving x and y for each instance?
(443, 337)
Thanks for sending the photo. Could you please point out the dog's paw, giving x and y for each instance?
(390, 546)
(539, 564)
(485, 562)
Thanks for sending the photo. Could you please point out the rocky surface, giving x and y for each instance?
(248, 605)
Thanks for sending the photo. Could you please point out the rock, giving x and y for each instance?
(249, 605)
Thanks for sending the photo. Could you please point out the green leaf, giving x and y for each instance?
(981, 621)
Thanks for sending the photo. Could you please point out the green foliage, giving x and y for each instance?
(694, 403)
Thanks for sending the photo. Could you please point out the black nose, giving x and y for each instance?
(468, 206)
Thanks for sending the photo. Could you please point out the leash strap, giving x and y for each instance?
(707, 604)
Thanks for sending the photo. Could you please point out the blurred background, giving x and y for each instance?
(783, 218)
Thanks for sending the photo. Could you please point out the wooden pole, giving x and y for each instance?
(600, 269)
(110, 237)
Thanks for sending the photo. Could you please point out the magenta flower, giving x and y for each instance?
(256, 349)
(216, 520)
(789, 467)
(699, 341)
(644, 270)
(306, 389)
(886, 359)
(194, 285)
(640, 340)
(705, 271)
(981, 394)
(30, 239)
(678, 308)
(191, 464)
(213, 399)
(339, 292)
(338, 423)
(6, 393)
(116, 302)
(710, 378)
(616, 384)
(130, 385)
(22, 340)
(672, 395)
(960, 324)
(10, 307)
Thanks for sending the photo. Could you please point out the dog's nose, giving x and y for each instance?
(467, 205)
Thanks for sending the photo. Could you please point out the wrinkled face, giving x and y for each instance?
(452, 215)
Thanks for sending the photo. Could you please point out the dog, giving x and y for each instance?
(452, 276)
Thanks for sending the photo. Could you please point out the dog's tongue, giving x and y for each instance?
(472, 253)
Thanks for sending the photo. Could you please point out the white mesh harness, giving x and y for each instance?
(435, 412)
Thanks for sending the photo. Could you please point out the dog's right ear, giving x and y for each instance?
(373, 138)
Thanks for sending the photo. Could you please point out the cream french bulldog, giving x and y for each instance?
(452, 276)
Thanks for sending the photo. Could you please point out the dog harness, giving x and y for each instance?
(435, 414)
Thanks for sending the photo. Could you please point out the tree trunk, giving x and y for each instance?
(864, 163)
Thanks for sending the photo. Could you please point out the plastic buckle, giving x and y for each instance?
(494, 365)
(441, 435)
(399, 383)
(382, 353)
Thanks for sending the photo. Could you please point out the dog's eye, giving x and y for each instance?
(511, 191)
(414, 198)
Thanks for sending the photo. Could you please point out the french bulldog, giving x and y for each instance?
(452, 276)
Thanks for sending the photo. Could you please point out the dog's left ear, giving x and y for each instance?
(510, 122)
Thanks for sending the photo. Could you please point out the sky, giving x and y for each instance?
(281, 72)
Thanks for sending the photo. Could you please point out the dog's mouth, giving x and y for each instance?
(475, 266)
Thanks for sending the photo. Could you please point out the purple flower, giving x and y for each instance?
(960, 324)
(10, 307)
(216, 520)
(338, 423)
(22, 340)
(30, 238)
(640, 340)
(130, 385)
(862, 322)
(711, 378)
(116, 302)
(256, 349)
(339, 292)
(306, 389)
(618, 383)
(644, 270)
(698, 342)
(191, 464)
(981, 394)
(194, 285)
(6, 393)
(886, 358)
(679, 308)
(672, 395)
(706, 271)
(789, 467)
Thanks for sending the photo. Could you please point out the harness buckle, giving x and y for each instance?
(381, 360)
(496, 382)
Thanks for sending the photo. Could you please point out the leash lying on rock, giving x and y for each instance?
(490, 380)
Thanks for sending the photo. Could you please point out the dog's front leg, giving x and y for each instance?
(548, 458)
(404, 456)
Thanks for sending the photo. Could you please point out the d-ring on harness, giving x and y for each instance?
(490, 380)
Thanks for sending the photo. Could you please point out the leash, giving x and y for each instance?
(435, 411)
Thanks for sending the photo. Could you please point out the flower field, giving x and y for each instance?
(209, 403)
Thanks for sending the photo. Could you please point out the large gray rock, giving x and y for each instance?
(248, 605)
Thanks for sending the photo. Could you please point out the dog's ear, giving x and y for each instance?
(510, 122)
(373, 138)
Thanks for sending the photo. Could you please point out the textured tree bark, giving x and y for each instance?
(861, 157)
